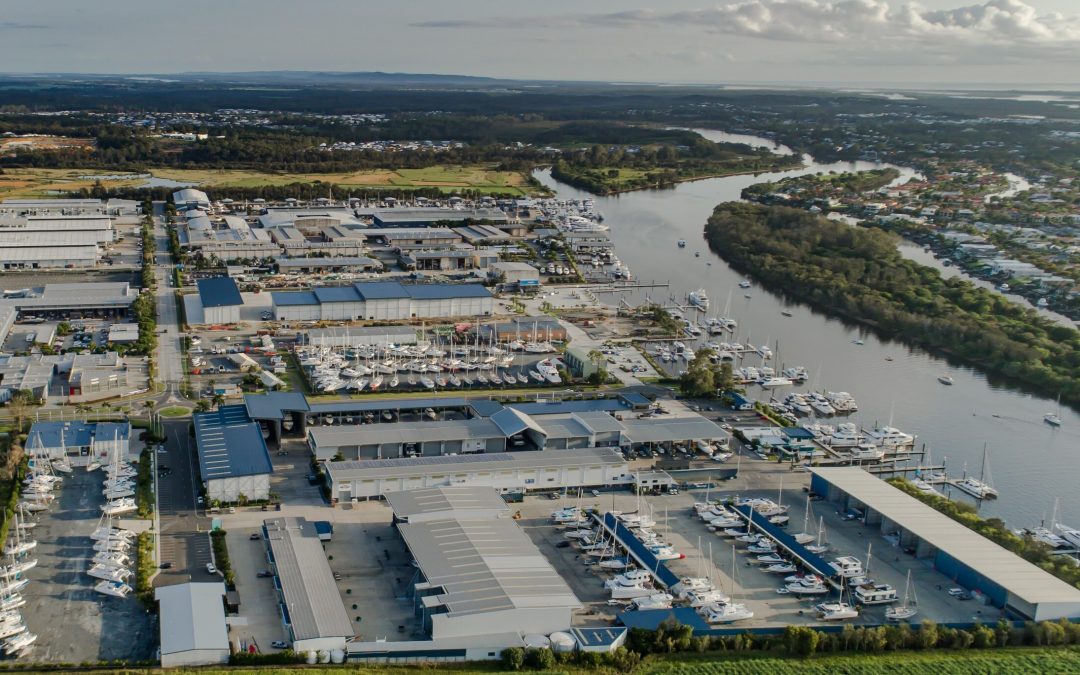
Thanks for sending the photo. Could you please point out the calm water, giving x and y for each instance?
(1031, 463)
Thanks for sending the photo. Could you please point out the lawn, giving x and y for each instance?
(174, 411)
(46, 182)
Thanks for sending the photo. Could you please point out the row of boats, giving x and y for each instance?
(334, 376)
(112, 559)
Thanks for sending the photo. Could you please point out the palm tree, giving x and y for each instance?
(598, 359)
(219, 400)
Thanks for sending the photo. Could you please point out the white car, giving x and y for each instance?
(211, 568)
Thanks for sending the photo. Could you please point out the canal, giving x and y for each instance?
(1031, 463)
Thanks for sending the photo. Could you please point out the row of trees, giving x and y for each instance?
(859, 274)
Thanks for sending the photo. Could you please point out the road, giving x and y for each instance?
(169, 357)
(184, 545)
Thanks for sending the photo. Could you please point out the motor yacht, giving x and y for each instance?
(847, 566)
(116, 589)
(654, 601)
(836, 611)
(890, 437)
(1052, 419)
(702, 598)
(945, 379)
(780, 568)
(874, 594)
(109, 573)
(699, 299)
(725, 612)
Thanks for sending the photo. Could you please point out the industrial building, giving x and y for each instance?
(104, 299)
(448, 259)
(404, 238)
(335, 264)
(498, 428)
(505, 472)
(219, 300)
(426, 217)
(309, 602)
(192, 626)
(515, 273)
(233, 460)
(189, 198)
(478, 574)
(75, 377)
(383, 301)
(78, 443)
(1008, 581)
(69, 207)
(434, 503)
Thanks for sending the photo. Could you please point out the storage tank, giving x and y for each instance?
(324, 656)
(536, 641)
(562, 642)
(312, 658)
(337, 656)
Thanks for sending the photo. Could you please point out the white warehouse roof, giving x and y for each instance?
(192, 617)
(995, 563)
(445, 499)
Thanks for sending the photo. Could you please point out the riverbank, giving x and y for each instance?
(858, 274)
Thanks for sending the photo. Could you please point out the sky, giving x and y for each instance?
(877, 43)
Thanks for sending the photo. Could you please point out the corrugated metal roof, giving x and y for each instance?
(1010, 571)
(293, 298)
(230, 444)
(337, 294)
(74, 434)
(485, 566)
(380, 290)
(446, 500)
(671, 429)
(404, 432)
(192, 617)
(500, 461)
(312, 600)
(446, 291)
(273, 405)
(219, 292)
(513, 422)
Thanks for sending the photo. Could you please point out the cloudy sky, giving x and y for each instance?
(863, 42)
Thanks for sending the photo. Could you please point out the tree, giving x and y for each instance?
(513, 658)
(22, 401)
(219, 400)
(700, 376)
(801, 640)
(202, 405)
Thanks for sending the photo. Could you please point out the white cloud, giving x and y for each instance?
(1007, 23)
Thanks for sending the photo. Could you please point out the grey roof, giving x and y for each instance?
(381, 290)
(513, 422)
(670, 429)
(273, 405)
(445, 500)
(1010, 571)
(500, 461)
(336, 294)
(485, 566)
(219, 292)
(352, 261)
(403, 432)
(311, 598)
(442, 291)
(354, 405)
(192, 617)
(556, 407)
(230, 444)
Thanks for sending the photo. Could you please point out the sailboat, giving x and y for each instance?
(17, 545)
(730, 611)
(1052, 418)
(905, 610)
(980, 487)
(821, 546)
(805, 537)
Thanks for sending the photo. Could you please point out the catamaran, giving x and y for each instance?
(117, 589)
(979, 488)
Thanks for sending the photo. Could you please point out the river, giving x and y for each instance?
(1031, 463)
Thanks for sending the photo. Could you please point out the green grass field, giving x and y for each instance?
(46, 182)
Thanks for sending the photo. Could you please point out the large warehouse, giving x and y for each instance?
(504, 471)
(193, 631)
(383, 301)
(233, 459)
(479, 575)
(309, 602)
(971, 560)
(220, 300)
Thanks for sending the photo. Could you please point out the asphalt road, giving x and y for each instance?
(185, 544)
(169, 359)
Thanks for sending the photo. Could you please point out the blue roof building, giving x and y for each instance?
(220, 300)
(383, 301)
(78, 443)
(234, 462)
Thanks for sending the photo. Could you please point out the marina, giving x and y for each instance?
(889, 380)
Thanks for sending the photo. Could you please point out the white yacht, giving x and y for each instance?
(20, 566)
(976, 488)
(846, 435)
(1070, 535)
(890, 437)
(875, 594)
(10, 628)
(699, 299)
(806, 586)
(119, 506)
(867, 452)
(11, 601)
(771, 382)
(629, 586)
(726, 612)
(744, 284)
(1052, 419)
(836, 611)
(16, 644)
(117, 589)
(654, 601)
(847, 566)
(702, 598)
(109, 573)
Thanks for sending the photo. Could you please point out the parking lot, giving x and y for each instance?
(73, 622)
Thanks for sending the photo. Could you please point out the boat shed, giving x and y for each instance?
(506, 472)
(1022, 589)
(220, 300)
(481, 576)
(192, 625)
(233, 459)
(309, 600)
(407, 439)
(459, 501)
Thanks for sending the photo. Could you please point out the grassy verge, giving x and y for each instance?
(174, 411)
(221, 557)
(144, 485)
(144, 568)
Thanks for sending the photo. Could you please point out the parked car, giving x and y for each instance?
(263, 574)
(255, 536)
(211, 568)
(278, 644)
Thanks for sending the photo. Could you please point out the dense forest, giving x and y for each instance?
(859, 274)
